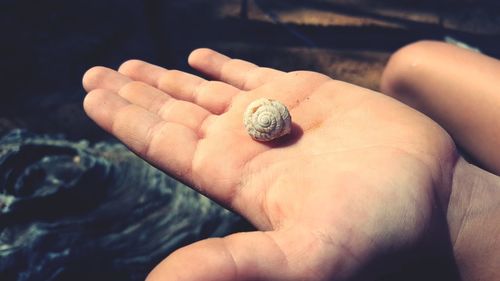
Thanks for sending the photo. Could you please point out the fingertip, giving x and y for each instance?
(90, 103)
(100, 105)
(198, 55)
(87, 101)
(204, 58)
(142, 71)
(130, 66)
(92, 77)
(92, 100)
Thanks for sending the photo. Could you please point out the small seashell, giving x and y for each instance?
(267, 119)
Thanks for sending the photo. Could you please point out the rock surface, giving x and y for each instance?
(75, 211)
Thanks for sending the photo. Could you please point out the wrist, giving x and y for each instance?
(473, 217)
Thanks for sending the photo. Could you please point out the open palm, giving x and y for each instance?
(359, 178)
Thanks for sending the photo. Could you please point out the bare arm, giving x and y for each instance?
(474, 222)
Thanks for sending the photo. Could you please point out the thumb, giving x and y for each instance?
(242, 256)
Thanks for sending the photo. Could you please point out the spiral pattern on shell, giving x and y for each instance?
(267, 119)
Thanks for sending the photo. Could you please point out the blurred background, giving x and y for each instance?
(46, 47)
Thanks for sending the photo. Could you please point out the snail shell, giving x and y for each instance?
(267, 119)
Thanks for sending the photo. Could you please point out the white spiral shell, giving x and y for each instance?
(267, 119)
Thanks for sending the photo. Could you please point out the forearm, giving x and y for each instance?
(473, 217)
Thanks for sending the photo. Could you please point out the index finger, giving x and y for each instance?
(239, 73)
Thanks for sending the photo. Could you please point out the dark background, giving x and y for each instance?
(117, 225)
(46, 46)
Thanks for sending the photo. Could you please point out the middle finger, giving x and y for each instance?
(215, 96)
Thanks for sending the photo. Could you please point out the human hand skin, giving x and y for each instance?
(474, 222)
(362, 183)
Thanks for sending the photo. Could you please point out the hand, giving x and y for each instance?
(361, 178)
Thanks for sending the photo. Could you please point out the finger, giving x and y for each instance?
(167, 145)
(239, 73)
(103, 78)
(238, 257)
(168, 108)
(212, 95)
(215, 96)
(142, 71)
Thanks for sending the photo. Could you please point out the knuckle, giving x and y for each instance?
(204, 87)
(131, 87)
(169, 76)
